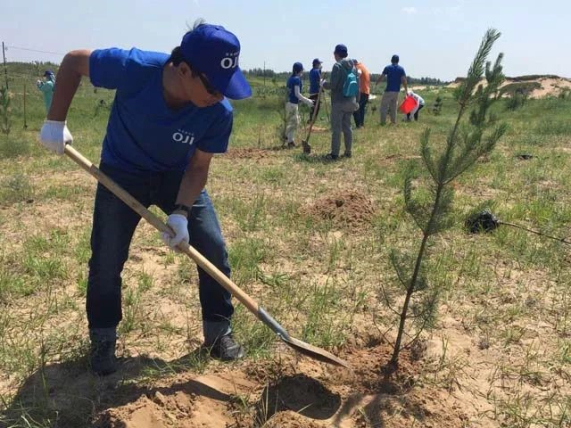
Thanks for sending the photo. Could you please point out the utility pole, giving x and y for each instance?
(25, 116)
(5, 66)
(264, 74)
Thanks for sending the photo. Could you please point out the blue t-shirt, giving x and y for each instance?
(314, 78)
(394, 72)
(143, 133)
(292, 82)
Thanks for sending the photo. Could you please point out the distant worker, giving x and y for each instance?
(344, 101)
(364, 90)
(294, 87)
(314, 86)
(419, 106)
(395, 77)
(47, 87)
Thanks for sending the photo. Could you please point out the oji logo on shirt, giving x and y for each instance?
(230, 60)
(184, 137)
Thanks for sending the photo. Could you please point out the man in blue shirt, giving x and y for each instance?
(395, 75)
(294, 87)
(169, 117)
(314, 87)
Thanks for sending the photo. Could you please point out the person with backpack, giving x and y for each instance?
(294, 96)
(364, 91)
(170, 115)
(396, 76)
(344, 88)
(314, 87)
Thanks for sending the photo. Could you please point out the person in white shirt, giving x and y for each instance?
(419, 105)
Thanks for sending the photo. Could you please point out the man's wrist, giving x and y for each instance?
(182, 210)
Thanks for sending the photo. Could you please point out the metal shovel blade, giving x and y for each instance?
(314, 352)
(296, 344)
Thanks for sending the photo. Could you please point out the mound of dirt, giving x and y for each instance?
(319, 129)
(291, 420)
(289, 392)
(247, 153)
(345, 208)
(539, 86)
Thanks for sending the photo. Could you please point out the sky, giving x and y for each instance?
(434, 38)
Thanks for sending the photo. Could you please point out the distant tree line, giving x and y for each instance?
(283, 75)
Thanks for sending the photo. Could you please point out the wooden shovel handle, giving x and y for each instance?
(198, 258)
(314, 115)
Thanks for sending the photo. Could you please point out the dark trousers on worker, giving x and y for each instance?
(359, 115)
(113, 226)
(315, 108)
(415, 113)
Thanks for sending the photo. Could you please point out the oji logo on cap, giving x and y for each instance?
(230, 60)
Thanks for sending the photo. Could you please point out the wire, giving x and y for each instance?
(564, 240)
(35, 50)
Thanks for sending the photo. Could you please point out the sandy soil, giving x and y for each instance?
(550, 86)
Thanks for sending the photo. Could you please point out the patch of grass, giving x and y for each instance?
(245, 257)
(16, 188)
(11, 148)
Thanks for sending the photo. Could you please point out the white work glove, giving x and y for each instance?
(55, 135)
(179, 224)
(308, 102)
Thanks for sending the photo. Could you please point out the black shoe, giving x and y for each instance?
(102, 354)
(347, 155)
(331, 157)
(291, 145)
(226, 349)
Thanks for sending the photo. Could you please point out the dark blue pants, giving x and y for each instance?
(113, 226)
(359, 115)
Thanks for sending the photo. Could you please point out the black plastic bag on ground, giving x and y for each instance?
(483, 221)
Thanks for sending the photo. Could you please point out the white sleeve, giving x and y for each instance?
(300, 97)
(417, 106)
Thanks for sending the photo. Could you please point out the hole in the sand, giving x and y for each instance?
(301, 394)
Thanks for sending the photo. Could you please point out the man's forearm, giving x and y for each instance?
(73, 67)
(192, 183)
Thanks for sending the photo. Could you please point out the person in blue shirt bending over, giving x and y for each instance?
(314, 87)
(169, 117)
(294, 96)
(396, 76)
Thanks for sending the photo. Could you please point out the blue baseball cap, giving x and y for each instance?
(317, 61)
(340, 49)
(214, 51)
(48, 73)
(297, 67)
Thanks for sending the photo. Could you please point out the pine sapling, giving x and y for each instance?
(5, 125)
(467, 141)
(437, 107)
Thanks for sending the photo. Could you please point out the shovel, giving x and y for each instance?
(305, 143)
(200, 260)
